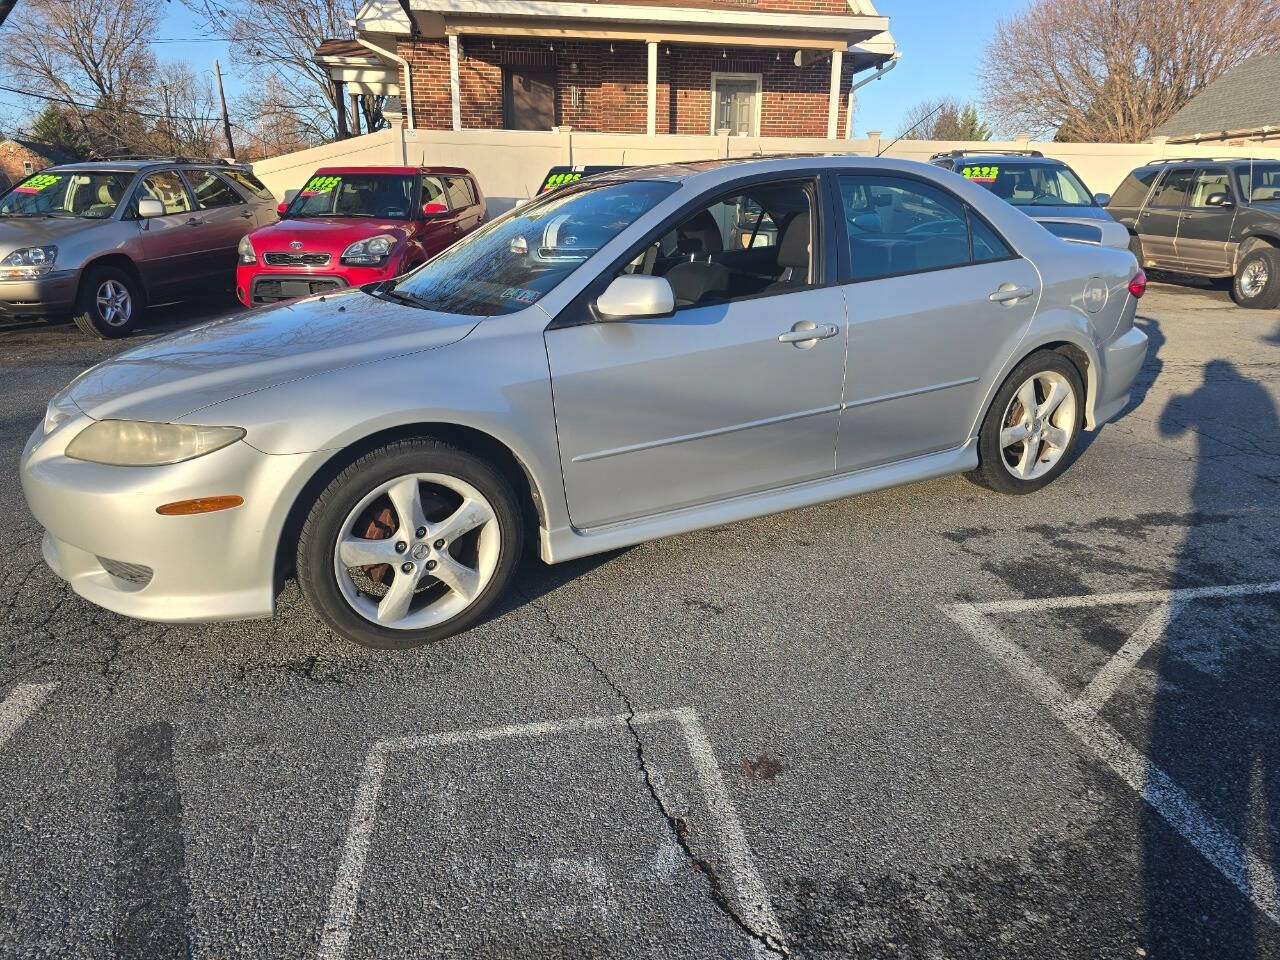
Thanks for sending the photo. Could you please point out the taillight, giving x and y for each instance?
(1138, 285)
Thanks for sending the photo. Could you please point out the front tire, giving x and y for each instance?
(1033, 425)
(109, 304)
(410, 544)
(1257, 280)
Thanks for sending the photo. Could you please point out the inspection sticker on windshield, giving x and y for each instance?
(981, 174)
(41, 181)
(320, 185)
(520, 294)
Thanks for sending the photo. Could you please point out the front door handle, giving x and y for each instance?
(1010, 294)
(806, 333)
(195, 222)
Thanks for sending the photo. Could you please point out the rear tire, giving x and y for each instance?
(410, 544)
(109, 304)
(1257, 280)
(1021, 450)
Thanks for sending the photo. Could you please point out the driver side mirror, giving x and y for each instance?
(1102, 199)
(149, 207)
(1217, 200)
(282, 208)
(434, 209)
(635, 296)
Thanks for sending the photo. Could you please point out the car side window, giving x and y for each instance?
(756, 243)
(1210, 182)
(250, 183)
(1173, 189)
(459, 192)
(167, 187)
(211, 191)
(899, 226)
(1133, 190)
(433, 192)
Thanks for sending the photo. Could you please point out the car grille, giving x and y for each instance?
(134, 573)
(296, 259)
(273, 289)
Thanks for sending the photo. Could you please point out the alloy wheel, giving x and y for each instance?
(115, 306)
(1038, 425)
(1253, 279)
(416, 551)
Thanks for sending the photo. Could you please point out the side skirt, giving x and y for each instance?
(569, 543)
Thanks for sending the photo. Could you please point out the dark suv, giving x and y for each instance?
(1207, 218)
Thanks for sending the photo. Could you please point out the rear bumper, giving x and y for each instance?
(1118, 365)
(51, 294)
(104, 537)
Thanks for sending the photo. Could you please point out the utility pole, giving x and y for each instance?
(226, 121)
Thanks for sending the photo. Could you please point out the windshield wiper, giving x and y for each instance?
(385, 291)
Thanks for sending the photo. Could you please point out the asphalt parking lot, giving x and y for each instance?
(930, 722)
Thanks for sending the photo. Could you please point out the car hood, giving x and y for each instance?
(330, 235)
(1039, 212)
(18, 232)
(175, 376)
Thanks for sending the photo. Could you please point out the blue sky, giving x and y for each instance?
(942, 43)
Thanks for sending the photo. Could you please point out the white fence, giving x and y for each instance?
(510, 164)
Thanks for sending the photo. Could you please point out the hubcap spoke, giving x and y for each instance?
(1027, 397)
(462, 521)
(1056, 437)
(395, 604)
(1057, 393)
(361, 552)
(1015, 434)
(458, 577)
(1030, 454)
(407, 501)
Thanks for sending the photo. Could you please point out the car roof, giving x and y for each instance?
(696, 172)
(133, 166)
(446, 171)
(999, 157)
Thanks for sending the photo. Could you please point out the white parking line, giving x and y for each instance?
(755, 907)
(1247, 872)
(17, 708)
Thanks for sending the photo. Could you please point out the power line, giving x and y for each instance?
(118, 107)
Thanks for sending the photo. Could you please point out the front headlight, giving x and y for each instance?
(137, 443)
(245, 251)
(27, 262)
(59, 411)
(369, 253)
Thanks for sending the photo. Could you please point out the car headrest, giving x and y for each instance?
(700, 234)
(793, 249)
(107, 193)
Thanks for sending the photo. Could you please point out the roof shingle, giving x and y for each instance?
(1242, 99)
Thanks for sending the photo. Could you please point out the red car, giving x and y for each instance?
(355, 225)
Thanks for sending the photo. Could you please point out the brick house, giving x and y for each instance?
(771, 68)
(21, 158)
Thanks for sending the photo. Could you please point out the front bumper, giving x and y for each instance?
(258, 284)
(53, 293)
(103, 535)
(1118, 366)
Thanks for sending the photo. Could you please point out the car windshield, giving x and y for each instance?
(1028, 184)
(384, 195)
(57, 193)
(1260, 181)
(513, 261)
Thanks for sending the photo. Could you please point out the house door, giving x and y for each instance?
(528, 99)
(736, 100)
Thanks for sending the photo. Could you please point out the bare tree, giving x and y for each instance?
(944, 119)
(1114, 70)
(276, 40)
(271, 122)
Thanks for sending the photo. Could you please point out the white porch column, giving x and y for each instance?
(833, 101)
(455, 92)
(651, 116)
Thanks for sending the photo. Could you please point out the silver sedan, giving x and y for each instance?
(646, 352)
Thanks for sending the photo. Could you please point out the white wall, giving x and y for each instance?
(510, 164)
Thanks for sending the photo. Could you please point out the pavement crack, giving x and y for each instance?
(678, 826)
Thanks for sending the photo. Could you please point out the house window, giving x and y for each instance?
(28, 167)
(528, 99)
(735, 103)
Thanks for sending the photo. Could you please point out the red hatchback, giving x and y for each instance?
(355, 225)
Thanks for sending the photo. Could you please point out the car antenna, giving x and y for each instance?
(927, 116)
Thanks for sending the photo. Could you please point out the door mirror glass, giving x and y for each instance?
(1217, 200)
(636, 296)
(149, 207)
(1102, 199)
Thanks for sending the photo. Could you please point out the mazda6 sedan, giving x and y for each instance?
(628, 357)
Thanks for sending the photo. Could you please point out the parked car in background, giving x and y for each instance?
(1209, 218)
(355, 225)
(100, 241)
(404, 440)
(1045, 189)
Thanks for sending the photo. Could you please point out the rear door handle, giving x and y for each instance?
(1010, 294)
(806, 333)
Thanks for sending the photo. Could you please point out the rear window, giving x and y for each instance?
(1134, 189)
(249, 182)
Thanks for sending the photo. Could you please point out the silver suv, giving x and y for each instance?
(102, 240)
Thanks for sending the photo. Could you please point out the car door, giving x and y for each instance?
(936, 301)
(438, 227)
(170, 247)
(1204, 228)
(1158, 221)
(224, 217)
(728, 395)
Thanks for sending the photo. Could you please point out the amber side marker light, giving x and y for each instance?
(185, 508)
